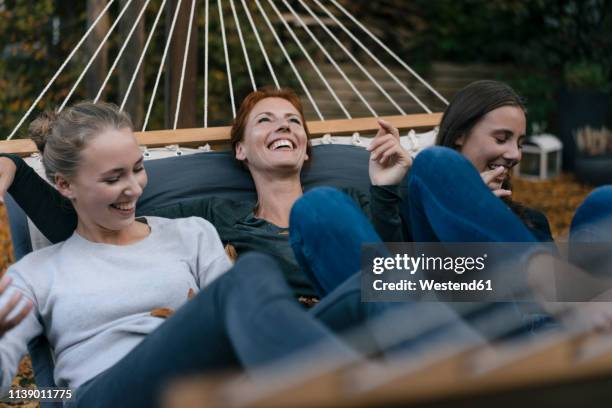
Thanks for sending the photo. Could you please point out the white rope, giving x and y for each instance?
(185, 55)
(95, 54)
(352, 58)
(227, 60)
(307, 55)
(243, 45)
(59, 71)
(206, 64)
(142, 55)
(120, 53)
(261, 46)
(398, 59)
(331, 59)
(380, 64)
(288, 58)
(161, 65)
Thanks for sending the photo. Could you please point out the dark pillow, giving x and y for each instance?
(218, 174)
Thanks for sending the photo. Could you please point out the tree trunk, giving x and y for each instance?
(97, 71)
(187, 117)
(135, 102)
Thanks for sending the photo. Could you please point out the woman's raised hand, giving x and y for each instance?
(491, 179)
(389, 161)
(7, 174)
(7, 324)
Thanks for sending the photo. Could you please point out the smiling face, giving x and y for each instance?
(496, 140)
(274, 137)
(109, 180)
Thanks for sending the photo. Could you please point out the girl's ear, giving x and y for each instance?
(64, 186)
(240, 153)
(460, 140)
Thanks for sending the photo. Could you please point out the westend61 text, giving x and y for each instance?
(431, 285)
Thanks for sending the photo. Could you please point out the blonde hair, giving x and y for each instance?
(60, 137)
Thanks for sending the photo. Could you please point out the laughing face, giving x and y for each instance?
(109, 181)
(274, 138)
(496, 140)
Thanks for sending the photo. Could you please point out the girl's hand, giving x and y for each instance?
(389, 162)
(5, 323)
(494, 179)
(7, 174)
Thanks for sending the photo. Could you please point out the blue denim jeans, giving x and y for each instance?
(247, 318)
(592, 221)
(447, 202)
(326, 232)
(590, 240)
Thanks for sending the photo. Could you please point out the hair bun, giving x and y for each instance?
(41, 128)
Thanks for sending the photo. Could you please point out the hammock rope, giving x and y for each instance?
(281, 20)
(374, 58)
(161, 65)
(206, 58)
(330, 59)
(260, 43)
(228, 69)
(352, 58)
(142, 54)
(120, 53)
(60, 69)
(95, 54)
(389, 51)
(288, 58)
(243, 46)
(310, 60)
(185, 56)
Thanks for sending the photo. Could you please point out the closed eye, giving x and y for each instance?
(295, 120)
(263, 119)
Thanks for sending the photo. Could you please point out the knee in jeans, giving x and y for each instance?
(601, 197)
(436, 156)
(315, 204)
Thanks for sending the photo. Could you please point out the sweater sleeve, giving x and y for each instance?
(52, 214)
(13, 345)
(385, 212)
(211, 260)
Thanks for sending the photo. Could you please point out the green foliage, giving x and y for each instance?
(587, 76)
(29, 58)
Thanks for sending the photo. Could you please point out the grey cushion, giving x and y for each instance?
(217, 174)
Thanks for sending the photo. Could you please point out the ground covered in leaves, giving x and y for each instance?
(557, 198)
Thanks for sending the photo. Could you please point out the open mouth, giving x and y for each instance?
(493, 166)
(124, 208)
(281, 144)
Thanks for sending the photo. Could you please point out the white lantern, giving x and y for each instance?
(541, 158)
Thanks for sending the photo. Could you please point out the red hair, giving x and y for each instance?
(249, 102)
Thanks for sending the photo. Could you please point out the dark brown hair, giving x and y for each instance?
(467, 108)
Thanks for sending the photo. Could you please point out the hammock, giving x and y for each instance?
(457, 373)
(284, 15)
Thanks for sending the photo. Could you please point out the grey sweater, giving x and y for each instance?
(94, 301)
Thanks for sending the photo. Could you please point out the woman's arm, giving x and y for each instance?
(389, 163)
(19, 326)
(52, 214)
